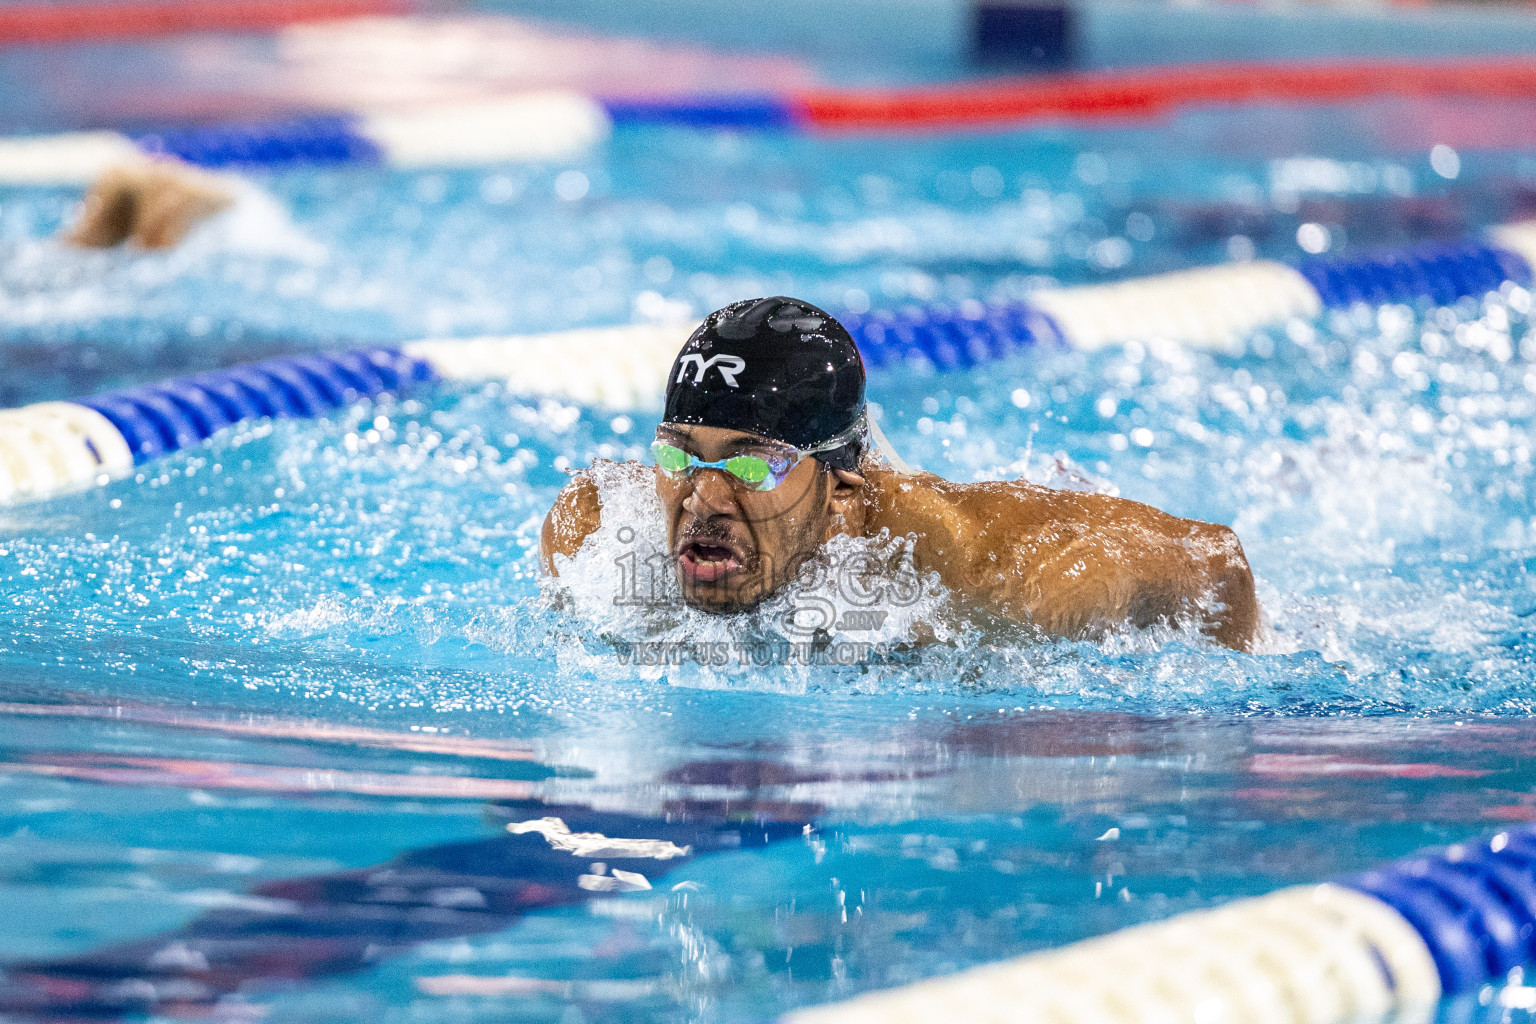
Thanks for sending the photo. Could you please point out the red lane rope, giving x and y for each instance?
(1145, 92)
(65, 22)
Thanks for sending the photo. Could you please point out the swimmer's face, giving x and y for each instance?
(734, 545)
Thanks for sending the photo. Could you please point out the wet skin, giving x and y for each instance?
(153, 203)
(1065, 563)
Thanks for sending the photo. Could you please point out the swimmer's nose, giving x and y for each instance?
(710, 494)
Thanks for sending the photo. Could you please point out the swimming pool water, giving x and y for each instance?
(180, 652)
(663, 216)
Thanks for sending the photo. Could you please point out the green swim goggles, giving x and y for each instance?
(759, 469)
(759, 472)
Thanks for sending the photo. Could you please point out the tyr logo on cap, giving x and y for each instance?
(728, 365)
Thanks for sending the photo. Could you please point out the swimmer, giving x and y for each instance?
(152, 202)
(765, 453)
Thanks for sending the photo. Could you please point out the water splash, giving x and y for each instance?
(858, 599)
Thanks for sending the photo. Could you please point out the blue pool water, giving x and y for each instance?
(233, 684)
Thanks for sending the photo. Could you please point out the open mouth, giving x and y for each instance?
(707, 561)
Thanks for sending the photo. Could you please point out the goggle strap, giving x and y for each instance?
(887, 449)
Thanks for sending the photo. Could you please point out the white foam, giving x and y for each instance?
(594, 844)
(255, 223)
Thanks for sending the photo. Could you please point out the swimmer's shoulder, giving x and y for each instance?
(1013, 507)
(578, 510)
(956, 527)
(924, 503)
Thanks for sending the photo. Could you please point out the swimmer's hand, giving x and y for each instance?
(577, 514)
(153, 203)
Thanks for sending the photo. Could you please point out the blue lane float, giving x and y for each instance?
(1441, 273)
(321, 139)
(1474, 906)
(724, 111)
(948, 337)
(158, 419)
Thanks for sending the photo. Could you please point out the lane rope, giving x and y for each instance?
(1315, 954)
(1149, 92)
(1385, 944)
(56, 447)
(555, 125)
(547, 125)
(28, 23)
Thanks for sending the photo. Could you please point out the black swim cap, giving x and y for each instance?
(777, 367)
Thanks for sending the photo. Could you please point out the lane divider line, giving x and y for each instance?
(1384, 944)
(67, 21)
(73, 158)
(547, 125)
(616, 368)
(554, 125)
(52, 447)
(1149, 92)
(56, 447)
(1314, 954)
(1211, 307)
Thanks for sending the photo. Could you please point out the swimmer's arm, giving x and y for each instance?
(1134, 564)
(153, 202)
(576, 515)
(1066, 563)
